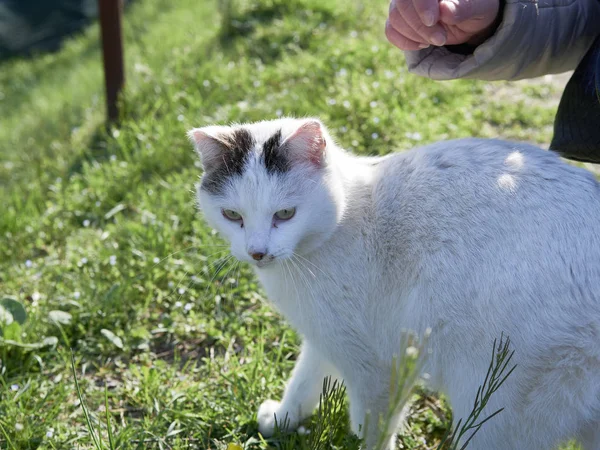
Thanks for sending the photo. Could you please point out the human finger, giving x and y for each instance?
(428, 11)
(435, 34)
(399, 24)
(400, 41)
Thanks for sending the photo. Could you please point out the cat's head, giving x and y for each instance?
(269, 187)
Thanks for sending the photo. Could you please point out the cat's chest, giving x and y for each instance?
(319, 300)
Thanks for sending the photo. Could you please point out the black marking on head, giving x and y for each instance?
(274, 158)
(236, 148)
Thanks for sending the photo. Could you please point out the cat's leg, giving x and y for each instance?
(301, 394)
(590, 438)
(369, 401)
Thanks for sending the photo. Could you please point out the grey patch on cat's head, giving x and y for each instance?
(236, 148)
(274, 158)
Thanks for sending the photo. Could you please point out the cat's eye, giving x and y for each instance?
(232, 215)
(285, 214)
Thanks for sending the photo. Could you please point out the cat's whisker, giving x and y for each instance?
(298, 255)
(316, 267)
(309, 288)
(178, 284)
(225, 278)
(304, 279)
(215, 253)
(299, 261)
(184, 276)
(294, 283)
(186, 249)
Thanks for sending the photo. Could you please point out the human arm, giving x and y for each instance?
(531, 38)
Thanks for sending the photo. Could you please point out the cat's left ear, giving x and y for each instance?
(307, 144)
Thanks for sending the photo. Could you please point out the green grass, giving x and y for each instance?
(100, 224)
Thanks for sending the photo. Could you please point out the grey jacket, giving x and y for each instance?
(535, 37)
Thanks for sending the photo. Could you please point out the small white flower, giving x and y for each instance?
(343, 72)
(178, 304)
(373, 104)
(28, 263)
(112, 260)
(14, 387)
(170, 284)
(353, 34)
(156, 260)
(18, 427)
(113, 157)
(256, 83)
(181, 291)
(375, 135)
(374, 48)
(76, 295)
(331, 101)
(50, 433)
(180, 117)
(376, 119)
(188, 306)
(206, 83)
(86, 223)
(98, 203)
(83, 260)
(412, 352)
(346, 104)
(369, 71)
(36, 296)
(278, 113)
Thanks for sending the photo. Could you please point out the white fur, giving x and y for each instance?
(472, 238)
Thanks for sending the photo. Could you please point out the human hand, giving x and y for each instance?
(417, 24)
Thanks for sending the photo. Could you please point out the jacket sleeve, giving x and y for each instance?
(535, 37)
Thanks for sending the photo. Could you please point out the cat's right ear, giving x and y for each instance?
(209, 143)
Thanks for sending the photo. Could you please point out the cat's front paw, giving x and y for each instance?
(270, 414)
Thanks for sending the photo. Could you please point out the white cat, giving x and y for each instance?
(471, 237)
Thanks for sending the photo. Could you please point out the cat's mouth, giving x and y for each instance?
(266, 260)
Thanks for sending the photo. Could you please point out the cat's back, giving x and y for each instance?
(478, 205)
(466, 177)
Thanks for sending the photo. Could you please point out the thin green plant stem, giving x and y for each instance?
(4, 432)
(494, 378)
(111, 441)
(96, 440)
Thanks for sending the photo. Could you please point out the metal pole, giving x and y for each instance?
(112, 51)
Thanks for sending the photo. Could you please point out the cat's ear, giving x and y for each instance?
(307, 144)
(210, 144)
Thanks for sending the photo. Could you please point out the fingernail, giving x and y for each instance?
(428, 18)
(438, 39)
(422, 46)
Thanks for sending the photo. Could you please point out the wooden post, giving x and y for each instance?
(112, 51)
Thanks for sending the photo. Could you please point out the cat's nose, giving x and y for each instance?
(257, 256)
